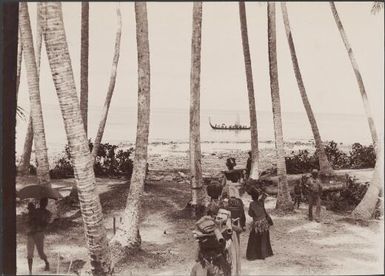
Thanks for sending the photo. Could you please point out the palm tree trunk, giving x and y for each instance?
(196, 180)
(325, 167)
(283, 198)
(25, 160)
(84, 48)
(61, 69)
(365, 209)
(19, 59)
(111, 86)
(357, 74)
(250, 88)
(127, 237)
(36, 108)
(23, 167)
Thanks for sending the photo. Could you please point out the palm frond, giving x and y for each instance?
(377, 6)
(20, 112)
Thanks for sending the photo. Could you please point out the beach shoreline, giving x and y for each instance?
(174, 154)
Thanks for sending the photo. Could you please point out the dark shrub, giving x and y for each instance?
(62, 169)
(362, 157)
(337, 158)
(107, 163)
(125, 164)
(348, 198)
(301, 162)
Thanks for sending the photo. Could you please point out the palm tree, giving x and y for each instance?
(325, 167)
(127, 237)
(111, 86)
(61, 69)
(250, 88)
(377, 6)
(23, 167)
(84, 47)
(283, 198)
(19, 59)
(366, 207)
(357, 73)
(197, 192)
(19, 109)
(36, 108)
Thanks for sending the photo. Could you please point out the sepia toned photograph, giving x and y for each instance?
(193, 138)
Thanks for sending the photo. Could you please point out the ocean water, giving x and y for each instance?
(173, 125)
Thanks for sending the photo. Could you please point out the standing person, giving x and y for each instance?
(232, 178)
(214, 190)
(248, 166)
(235, 206)
(314, 188)
(297, 194)
(258, 246)
(38, 220)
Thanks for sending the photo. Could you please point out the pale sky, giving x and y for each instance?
(324, 63)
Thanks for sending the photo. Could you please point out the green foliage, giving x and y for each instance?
(348, 198)
(360, 157)
(63, 169)
(301, 162)
(337, 158)
(108, 163)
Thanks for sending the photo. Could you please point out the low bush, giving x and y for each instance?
(362, 157)
(301, 162)
(337, 158)
(109, 162)
(348, 198)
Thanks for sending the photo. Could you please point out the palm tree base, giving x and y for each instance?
(285, 206)
(196, 210)
(121, 249)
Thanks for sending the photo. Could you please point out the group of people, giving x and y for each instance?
(307, 186)
(223, 196)
(226, 195)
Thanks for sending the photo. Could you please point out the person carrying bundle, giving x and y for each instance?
(211, 254)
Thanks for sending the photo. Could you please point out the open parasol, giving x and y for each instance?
(38, 192)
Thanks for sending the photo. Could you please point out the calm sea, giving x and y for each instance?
(173, 125)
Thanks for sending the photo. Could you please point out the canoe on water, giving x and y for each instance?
(224, 127)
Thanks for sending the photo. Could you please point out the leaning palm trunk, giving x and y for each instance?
(365, 209)
(357, 73)
(23, 167)
(36, 108)
(19, 59)
(325, 167)
(127, 237)
(197, 191)
(250, 88)
(84, 48)
(283, 198)
(61, 69)
(111, 86)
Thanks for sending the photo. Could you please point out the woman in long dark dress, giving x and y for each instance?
(258, 246)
